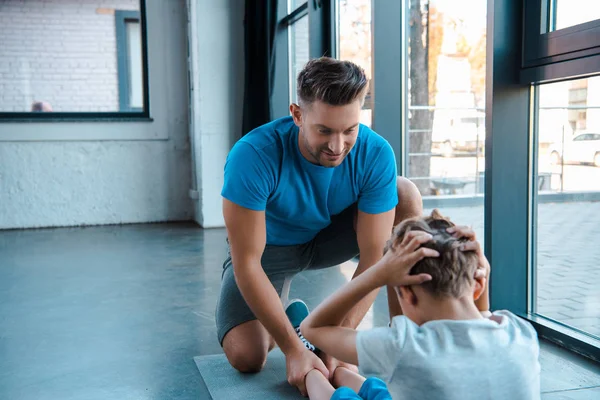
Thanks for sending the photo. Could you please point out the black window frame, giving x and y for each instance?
(551, 55)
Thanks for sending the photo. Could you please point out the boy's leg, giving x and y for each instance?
(317, 386)
(367, 389)
(344, 377)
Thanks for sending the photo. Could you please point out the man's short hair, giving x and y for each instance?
(331, 81)
(453, 271)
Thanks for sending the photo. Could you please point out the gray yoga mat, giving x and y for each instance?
(225, 383)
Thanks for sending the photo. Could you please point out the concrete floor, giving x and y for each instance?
(120, 312)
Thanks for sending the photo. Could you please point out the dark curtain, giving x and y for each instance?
(260, 23)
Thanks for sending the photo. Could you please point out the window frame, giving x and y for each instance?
(321, 38)
(122, 17)
(123, 116)
(389, 21)
(511, 196)
(552, 55)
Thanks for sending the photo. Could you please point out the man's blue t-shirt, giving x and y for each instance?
(265, 171)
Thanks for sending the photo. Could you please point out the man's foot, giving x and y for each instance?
(296, 311)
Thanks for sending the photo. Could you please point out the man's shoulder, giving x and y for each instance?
(371, 139)
(269, 135)
(371, 146)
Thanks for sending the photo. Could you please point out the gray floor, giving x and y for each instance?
(120, 312)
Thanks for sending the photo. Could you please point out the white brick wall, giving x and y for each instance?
(60, 51)
(91, 172)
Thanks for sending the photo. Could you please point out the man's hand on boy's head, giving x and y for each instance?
(401, 257)
(483, 269)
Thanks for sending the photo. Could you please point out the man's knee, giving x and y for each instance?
(410, 202)
(247, 359)
(246, 346)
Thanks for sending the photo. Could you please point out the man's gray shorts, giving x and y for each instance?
(332, 246)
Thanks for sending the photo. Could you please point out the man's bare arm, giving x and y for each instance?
(246, 230)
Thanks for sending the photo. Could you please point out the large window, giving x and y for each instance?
(305, 31)
(567, 254)
(566, 13)
(514, 154)
(355, 44)
(445, 105)
(545, 186)
(298, 33)
(71, 57)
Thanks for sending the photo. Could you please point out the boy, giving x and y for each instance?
(445, 346)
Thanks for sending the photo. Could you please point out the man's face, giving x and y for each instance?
(327, 133)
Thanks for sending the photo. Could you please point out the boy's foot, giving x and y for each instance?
(296, 311)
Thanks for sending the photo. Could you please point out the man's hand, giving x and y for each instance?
(483, 269)
(299, 363)
(332, 363)
(398, 261)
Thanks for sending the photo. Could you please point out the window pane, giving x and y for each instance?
(574, 12)
(134, 57)
(61, 55)
(568, 257)
(294, 4)
(298, 52)
(446, 99)
(355, 43)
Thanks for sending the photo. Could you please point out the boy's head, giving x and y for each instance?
(452, 272)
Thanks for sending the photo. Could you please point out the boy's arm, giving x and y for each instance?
(322, 326)
(372, 232)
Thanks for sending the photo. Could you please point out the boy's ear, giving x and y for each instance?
(479, 287)
(407, 294)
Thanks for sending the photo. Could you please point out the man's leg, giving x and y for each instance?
(338, 243)
(410, 202)
(247, 345)
(245, 340)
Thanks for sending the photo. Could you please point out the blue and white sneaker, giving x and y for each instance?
(296, 311)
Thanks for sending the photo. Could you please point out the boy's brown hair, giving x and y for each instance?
(452, 272)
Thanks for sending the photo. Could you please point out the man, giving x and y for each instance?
(311, 190)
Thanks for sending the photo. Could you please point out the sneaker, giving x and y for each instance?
(296, 311)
